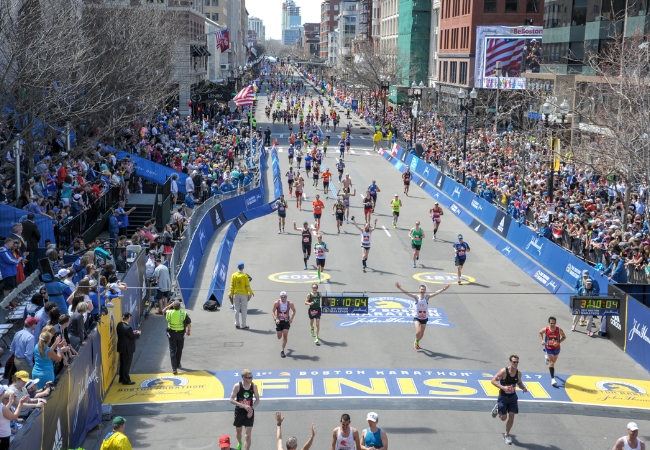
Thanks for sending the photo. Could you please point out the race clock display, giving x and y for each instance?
(594, 306)
(345, 303)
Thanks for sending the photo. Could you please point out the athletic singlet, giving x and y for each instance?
(436, 213)
(342, 146)
(319, 157)
(552, 338)
(339, 208)
(346, 199)
(627, 446)
(417, 237)
(373, 439)
(316, 299)
(282, 206)
(511, 382)
(290, 151)
(407, 176)
(365, 238)
(373, 189)
(308, 160)
(291, 176)
(319, 249)
(367, 203)
(306, 237)
(340, 166)
(345, 442)
(282, 310)
(395, 205)
(422, 308)
(245, 396)
(461, 249)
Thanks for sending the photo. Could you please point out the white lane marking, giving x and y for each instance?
(367, 153)
(386, 230)
(279, 150)
(352, 151)
(282, 135)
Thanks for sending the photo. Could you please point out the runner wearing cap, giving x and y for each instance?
(460, 248)
(421, 310)
(366, 234)
(373, 188)
(338, 209)
(280, 314)
(373, 437)
(292, 441)
(317, 206)
(395, 205)
(299, 184)
(551, 336)
(631, 441)
(291, 176)
(367, 207)
(282, 213)
(417, 237)
(340, 166)
(320, 249)
(507, 380)
(313, 301)
(245, 396)
(436, 216)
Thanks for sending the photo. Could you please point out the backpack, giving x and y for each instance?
(211, 305)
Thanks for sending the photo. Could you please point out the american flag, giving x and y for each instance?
(223, 40)
(508, 51)
(245, 97)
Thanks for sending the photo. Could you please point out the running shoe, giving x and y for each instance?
(279, 231)
(416, 345)
(282, 354)
(495, 410)
(312, 332)
(305, 268)
(417, 258)
(414, 266)
(590, 334)
(508, 439)
(573, 327)
(394, 225)
(316, 341)
(233, 306)
(553, 382)
(239, 446)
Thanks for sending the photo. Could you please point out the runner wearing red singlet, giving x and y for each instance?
(552, 336)
(436, 216)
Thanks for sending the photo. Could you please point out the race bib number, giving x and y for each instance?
(366, 239)
(306, 240)
(511, 389)
(417, 239)
(313, 312)
(422, 314)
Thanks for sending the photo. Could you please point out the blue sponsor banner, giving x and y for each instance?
(152, 171)
(466, 198)
(554, 258)
(261, 211)
(277, 174)
(187, 274)
(354, 104)
(11, 215)
(519, 234)
(31, 434)
(132, 300)
(637, 340)
(491, 237)
(220, 272)
(85, 408)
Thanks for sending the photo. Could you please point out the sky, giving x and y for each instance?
(270, 11)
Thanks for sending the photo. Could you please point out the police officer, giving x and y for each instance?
(177, 323)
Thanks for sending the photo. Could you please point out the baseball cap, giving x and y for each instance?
(589, 280)
(240, 264)
(115, 287)
(460, 236)
(373, 416)
(436, 203)
(62, 273)
(283, 294)
(30, 321)
(224, 441)
(632, 426)
(614, 256)
(31, 383)
(395, 195)
(126, 315)
(22, 375)
(585, 273)
(119, 420)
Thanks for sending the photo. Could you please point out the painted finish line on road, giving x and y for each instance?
(378, 383)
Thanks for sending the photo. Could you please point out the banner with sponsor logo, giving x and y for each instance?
(85, 408)
(108, 344)
(56, 429)
(386, 383)
(152, 171)
(637, 340)
(277, 174)
(31, 434)
(615, 326)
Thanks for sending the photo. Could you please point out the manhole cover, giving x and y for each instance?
(233, 344)
(366, 133)
(510, 283)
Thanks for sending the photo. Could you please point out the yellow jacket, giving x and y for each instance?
(378, 136)
(116, 441)
(239, 284)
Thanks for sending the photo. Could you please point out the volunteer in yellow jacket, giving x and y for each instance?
(240, 294)
(116, 439)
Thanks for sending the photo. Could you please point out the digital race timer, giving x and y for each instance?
(346, 303)
(595, 306)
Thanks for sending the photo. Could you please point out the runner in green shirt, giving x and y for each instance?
(395, 205)
(417, 237)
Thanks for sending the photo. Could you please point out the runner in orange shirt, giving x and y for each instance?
(327, 175)
(318, 206)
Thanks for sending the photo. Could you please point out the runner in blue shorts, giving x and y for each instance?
(507, 380)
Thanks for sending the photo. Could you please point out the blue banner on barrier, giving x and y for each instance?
(637, 341)
(31, 434)
(220, 272)
(277, 174)
(152, 171)
(11, 215)
(85, 407)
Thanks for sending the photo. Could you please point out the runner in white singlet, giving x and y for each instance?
(366, 234)
(631, 441)
(421, 310)
(345, 437)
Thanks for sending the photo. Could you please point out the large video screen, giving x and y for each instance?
(519, 49)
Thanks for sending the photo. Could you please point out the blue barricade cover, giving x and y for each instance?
(637, 341)
(277, 174)
(152, 171)
(11, 215)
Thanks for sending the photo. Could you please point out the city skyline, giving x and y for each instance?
(270, 11)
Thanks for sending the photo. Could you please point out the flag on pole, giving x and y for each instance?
(245, 97)
(223, 40)
(508, 51)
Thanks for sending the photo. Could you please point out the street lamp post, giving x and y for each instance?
(417, 94)
(464, 106)
(547, 109)
(385, 85)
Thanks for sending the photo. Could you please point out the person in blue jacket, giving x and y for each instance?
(57, 290)
(114, 227)
(616, 271)
(582, 281)
(470, 183)
(8, 265)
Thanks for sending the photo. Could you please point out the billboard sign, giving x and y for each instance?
(519, 49)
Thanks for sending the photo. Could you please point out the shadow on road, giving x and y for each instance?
(332, 344)
(290, 354)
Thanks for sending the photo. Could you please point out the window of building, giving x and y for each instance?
(579, 12)
(336, 7)
(490, 6)
(462, 76)
(215, 17)
(452, 72)
(350, 29)
(444, 71)
(215, 2)
(207, 2)
(511, 6)
(532, 6)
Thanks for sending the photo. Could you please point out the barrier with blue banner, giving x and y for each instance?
(277, 174)
(85, 408)
(152, 171)
(220, 272)
(136, 294)
(11, 215)
(541, 259)
(637, 340)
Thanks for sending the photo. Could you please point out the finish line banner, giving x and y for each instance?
(379, 383)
